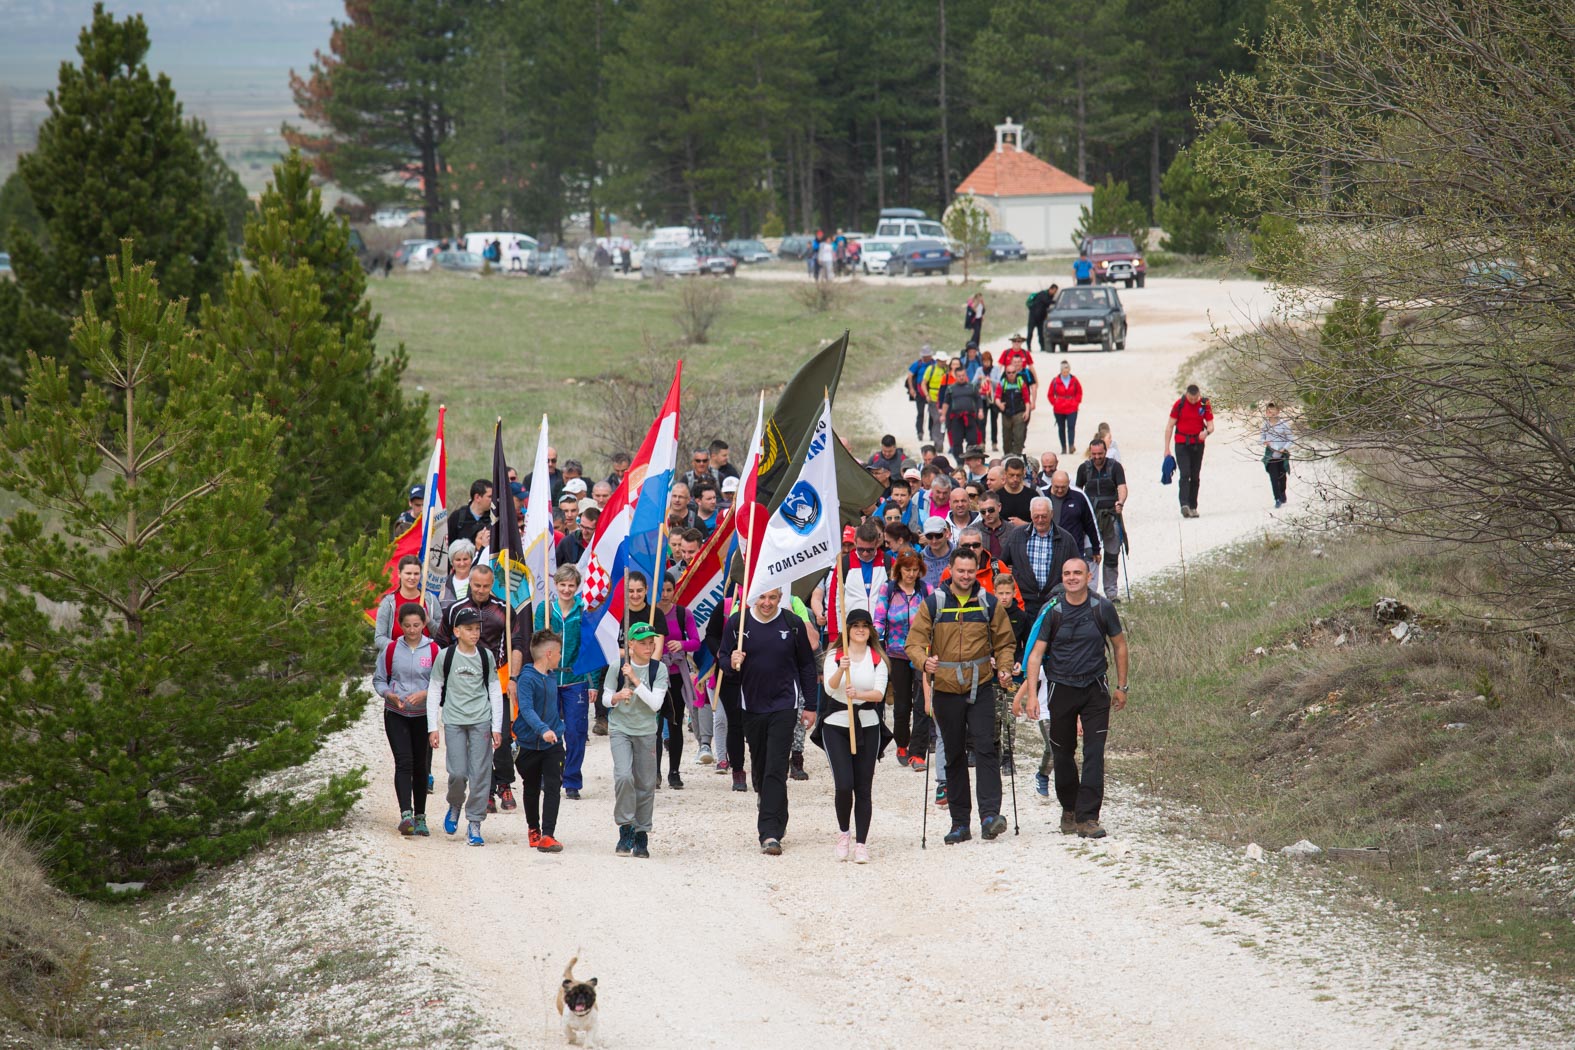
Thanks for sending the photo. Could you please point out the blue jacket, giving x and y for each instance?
(539, 710)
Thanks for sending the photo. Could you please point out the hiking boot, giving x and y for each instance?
(993, 827)
(473, 834)
(573, 793)
(600, 728)
(840, 851)
(705, 758)
(861, 853)
(940, 795)
(738, 781)
(492, 803)
(957, 835)
(421, 826)
(1090, 829)
(902, 756)
(1042, 788)
(451, 820)
(625, 840)
(917, 763)
(407, 823)
(535, 838)
(1068, 822)
(642, 845)
(771, 847)
(675, 781)
(506, 800)
(796, 766)
(548, 844)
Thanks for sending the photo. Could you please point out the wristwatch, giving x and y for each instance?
(1121, 688)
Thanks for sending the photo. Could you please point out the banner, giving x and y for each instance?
(803, 535)
(508, 552)
(539, 555)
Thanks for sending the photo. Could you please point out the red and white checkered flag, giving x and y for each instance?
(596, 583)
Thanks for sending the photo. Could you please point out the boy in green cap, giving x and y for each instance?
(634, 694)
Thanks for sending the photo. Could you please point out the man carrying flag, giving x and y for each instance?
(768, 647)
(511, 587)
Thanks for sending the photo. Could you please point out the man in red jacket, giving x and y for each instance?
(1066, 394)
(1191, 422)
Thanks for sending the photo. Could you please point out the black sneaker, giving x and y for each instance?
(625, 840)
(738, 781)
(675, 781)
(771, 847)
(573, 793)
(957, 835)
(642, 845)
(994, 826)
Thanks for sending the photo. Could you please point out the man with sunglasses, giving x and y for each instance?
(699, 468)
(864, 569)
(554, 475)
(992, 526)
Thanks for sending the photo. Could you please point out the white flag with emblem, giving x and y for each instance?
(804, 534)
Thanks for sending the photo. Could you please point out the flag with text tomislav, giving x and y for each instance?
(804, 533)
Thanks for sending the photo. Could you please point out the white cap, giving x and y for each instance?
(729, 484)
(575, 485)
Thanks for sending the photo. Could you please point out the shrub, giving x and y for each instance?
(700, 303)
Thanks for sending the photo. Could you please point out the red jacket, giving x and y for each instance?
(1065, 398)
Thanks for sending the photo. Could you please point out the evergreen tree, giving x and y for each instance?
(1113, 211)
(114, 160)
(17, 214)
(1194, 205)
(302, 336)
(152, 668)
(223, 187)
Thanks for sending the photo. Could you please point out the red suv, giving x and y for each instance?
(1116, 259)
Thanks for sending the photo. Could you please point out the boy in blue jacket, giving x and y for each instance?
(538, 732)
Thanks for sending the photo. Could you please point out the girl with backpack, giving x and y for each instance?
(973, 318)
(1066, 394)
(855, 677)
(404, 668)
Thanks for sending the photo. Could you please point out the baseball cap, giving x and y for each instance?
(418, 492)
(848, 533)
(925, 351)
(639, 632)
(911, 471)
(516, 489)
(469, 615)
(589, 504)
(934, 526)
(575, 485)
(729, 484)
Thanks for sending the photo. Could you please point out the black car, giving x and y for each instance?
(1003, 247)
(1087, 314)
(921, 256)
(747, 251)
(795, 247)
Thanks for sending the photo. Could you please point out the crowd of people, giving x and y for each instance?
(983, 585)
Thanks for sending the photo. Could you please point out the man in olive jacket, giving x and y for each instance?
(962, 637)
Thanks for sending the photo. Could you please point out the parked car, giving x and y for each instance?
(796, 246)
(391, 218)
(1003, 247)
(547, 262)
(671, 262)
(5, 265)
(514, 251)
(421, 256)
(403, 252)
(714, 260)
(748, 252)
(1116, 259)
(459, 260)
(875, 254)
(906, 224)
(921, 256)
(1087, 314)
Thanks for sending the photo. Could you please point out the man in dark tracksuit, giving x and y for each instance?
(493, 618)
(962, 637)
(1039, 305)
(1073, 634)
(775, 666)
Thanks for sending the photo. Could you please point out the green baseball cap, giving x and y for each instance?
(639, 632)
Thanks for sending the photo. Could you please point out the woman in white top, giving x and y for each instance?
(461, 556)
(855, 676)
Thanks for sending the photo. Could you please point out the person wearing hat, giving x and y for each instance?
(464, 695)
(635, 691)
(729, 494)
(576, 486)
(412, 514)
(926, 376)
(937, 549)
(973, 465)
(855, 676)
(569, 511)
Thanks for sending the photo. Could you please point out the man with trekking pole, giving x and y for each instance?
(961, 637)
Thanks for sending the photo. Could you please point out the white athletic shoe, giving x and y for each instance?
(843, 838)
(705, 757)
(861, 853)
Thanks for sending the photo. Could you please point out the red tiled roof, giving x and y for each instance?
(1009, 172)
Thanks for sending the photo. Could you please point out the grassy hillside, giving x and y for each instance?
(1266, 693)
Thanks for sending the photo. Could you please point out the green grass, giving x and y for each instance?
(1348, 745)
(518, 346)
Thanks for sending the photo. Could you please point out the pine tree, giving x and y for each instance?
(152, 668)
(302, 335)
(114, 160)
(222, 186)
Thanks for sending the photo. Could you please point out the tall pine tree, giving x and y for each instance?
(152, 667)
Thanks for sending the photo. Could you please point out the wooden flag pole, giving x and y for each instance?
(426, 537)
(743, 594)
(842, 638)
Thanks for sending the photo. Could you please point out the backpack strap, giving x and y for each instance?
(388, 658)
(448, 665)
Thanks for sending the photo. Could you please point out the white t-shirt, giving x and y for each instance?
(865, 675)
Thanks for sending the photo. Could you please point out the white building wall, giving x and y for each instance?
(1044, 223)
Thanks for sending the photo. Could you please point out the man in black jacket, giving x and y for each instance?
(1071, 510)
(1036, 554)
(775, 665)
(476, 515)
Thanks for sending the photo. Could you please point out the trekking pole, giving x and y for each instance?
(924, 833)
(1011, 741)
(1126, 552)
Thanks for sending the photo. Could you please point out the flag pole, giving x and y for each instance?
(842, 631)
(426, 528)
(508, 592)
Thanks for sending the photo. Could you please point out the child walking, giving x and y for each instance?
(464, 693)
(634, 695)
(538, 730)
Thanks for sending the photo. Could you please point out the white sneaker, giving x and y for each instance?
(861, 853)
(705, 758)
(843, 838)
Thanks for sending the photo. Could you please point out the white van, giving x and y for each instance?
(516, 247)
(908, 224)
(673, 237)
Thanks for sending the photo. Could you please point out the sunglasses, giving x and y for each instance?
(970, 546)
(865, 550)
(933, 535)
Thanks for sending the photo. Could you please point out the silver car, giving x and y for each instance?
(671, 262)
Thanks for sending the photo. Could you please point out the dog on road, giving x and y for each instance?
(577, 1006)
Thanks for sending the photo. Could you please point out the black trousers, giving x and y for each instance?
(910, 725)
(502, 765)
(852, 776)
(673, 716)
(1086, 794)
(923, 413)
(541, 782)
(1277, 468)
(963, 725)
(1036, 326)
(733, 705)
(412, 748)
(1189, 463)
(770, 739)
(992, 415)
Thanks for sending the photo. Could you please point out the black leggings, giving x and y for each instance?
(910, 725)
(541, 781)
(408, 740)
(673, 715)
(852, 776)
(733, 704)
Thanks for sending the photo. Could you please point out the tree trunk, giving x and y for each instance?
(1082, 124)
(880, 157)
(946, 159)
(689, 182)
(792, 187)
(807, 176)
(431, 191)
(1153, 171)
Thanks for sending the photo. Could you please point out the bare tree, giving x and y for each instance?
(1422, 150)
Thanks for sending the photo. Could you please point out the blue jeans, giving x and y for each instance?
(576, 727)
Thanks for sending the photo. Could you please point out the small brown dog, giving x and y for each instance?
(577, 1006)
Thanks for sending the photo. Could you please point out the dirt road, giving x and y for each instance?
(1151, 940)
